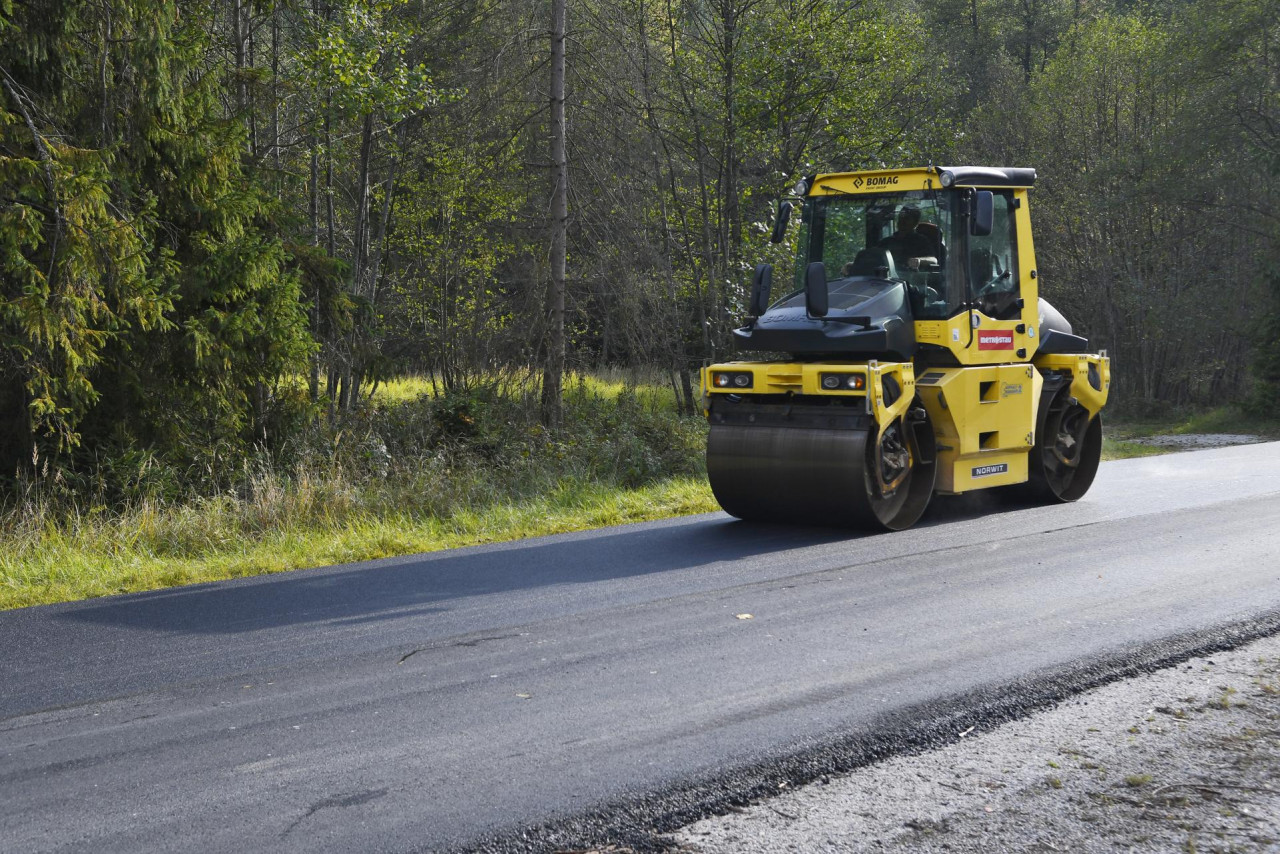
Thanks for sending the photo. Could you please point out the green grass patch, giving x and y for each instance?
(402, 390)
(1223, 419)
(149, 547)
(1123, 449)
(1123, 433)
(409, 472)
(414, 470)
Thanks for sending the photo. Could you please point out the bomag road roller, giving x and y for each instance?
(914, 355)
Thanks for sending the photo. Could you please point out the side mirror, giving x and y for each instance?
(761, 287)
(780, 223)
(815, 289)
(983, 213)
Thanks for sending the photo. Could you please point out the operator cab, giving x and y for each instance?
(904, 252)
(904, 237)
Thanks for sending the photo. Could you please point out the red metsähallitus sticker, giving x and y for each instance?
(995, 339)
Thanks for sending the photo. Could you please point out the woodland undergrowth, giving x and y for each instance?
(410, 471)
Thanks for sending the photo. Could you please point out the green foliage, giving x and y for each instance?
(1131, 239)
(75, 271)
(360, 55)
(448, 309)
(145, 298)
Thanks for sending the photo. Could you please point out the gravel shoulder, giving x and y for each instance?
(1196, 441)
(1185, 759)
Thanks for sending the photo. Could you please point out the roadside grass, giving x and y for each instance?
(411, 472)
(1115, 448)
(149, 547)
(1222, 419)
(1120, 440)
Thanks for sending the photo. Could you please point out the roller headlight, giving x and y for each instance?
(947, 178)
(842, 382)
(731, 379)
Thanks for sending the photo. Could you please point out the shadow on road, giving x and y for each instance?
(396, 588)
(399, 587)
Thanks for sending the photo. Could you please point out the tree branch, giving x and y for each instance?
(46, 159)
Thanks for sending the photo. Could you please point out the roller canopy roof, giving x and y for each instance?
(989, 176)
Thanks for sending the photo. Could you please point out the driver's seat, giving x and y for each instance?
(872, 261)
(934, 234)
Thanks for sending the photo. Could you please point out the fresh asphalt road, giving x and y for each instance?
(423, 703)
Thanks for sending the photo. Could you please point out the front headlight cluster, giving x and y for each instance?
(842, 382)
(731, 379)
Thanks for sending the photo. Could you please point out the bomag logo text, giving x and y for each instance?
(882, 181)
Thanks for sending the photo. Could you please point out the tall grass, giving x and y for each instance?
(410, 472)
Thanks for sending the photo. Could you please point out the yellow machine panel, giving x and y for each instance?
(850, 183)
(984, 419)
(1090, 376)
(975, 339)
(838, 379)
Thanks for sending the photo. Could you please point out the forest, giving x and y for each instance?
(229, 224)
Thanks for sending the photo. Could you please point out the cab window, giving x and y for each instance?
(993, 263)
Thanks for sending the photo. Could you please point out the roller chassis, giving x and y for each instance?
(787, 449)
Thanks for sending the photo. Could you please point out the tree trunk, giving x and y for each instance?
(360, 252)
(378, 247)
(553, 374)
(354, 369)
(275, 102)
(689, 404)
(240, 32)
(313, 210)
(328, 177)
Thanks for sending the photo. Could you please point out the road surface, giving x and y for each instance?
(550, 692)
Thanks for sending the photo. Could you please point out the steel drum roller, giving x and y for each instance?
(808, 475)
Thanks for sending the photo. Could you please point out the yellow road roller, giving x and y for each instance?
(912, 355)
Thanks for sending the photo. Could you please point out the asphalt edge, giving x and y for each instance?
(639, 822)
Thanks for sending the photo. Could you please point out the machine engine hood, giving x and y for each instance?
(868, 319)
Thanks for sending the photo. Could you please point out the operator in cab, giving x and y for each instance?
(908, 242)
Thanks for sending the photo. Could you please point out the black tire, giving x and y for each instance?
(1064, 461)
(908, 442)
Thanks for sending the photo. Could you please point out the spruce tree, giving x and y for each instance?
(146, 300)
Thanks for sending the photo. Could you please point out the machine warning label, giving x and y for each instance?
(988, 471)
(995, 339)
